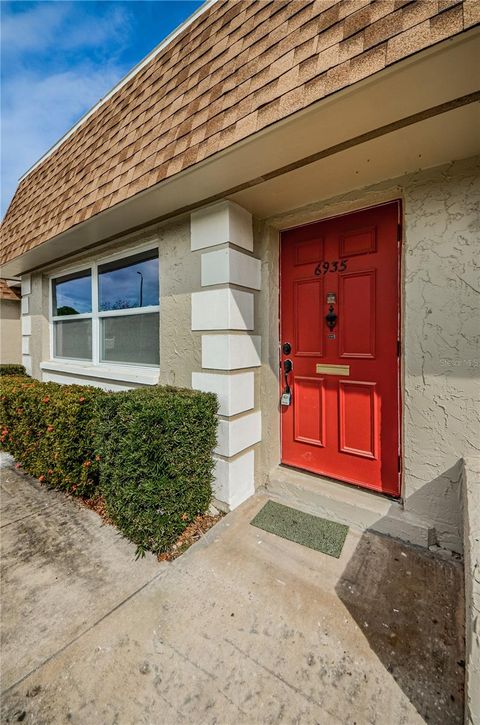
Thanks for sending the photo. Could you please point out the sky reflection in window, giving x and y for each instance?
(72, 294)
(129, 283)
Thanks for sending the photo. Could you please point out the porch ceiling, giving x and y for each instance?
(449, 136)
(406, 118)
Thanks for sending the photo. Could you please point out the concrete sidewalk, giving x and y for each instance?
(243, 628)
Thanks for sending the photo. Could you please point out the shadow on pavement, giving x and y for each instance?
(409, 604)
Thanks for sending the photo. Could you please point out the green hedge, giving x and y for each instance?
(155, 449)
(50, 430)
(147, 451)
(8, 369)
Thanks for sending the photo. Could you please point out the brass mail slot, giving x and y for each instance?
(334, 369)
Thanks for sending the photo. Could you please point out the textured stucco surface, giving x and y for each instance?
(38, 311)
(10, 332)
(180, 348)
(442, 333)
(440, 312)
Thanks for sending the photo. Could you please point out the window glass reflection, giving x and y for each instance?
(129, 283)
(72, 294)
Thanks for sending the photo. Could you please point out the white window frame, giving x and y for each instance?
(96, 315)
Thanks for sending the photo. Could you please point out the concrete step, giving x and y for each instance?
(359, 509)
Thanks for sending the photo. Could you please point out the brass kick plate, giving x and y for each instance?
(333, 369)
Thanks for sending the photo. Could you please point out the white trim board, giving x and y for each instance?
(127, 374)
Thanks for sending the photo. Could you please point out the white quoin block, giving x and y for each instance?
(236, 435)
(235, 392)
(27, 363)
(229, 266)
(230, 352)
(234, 480)
(26, 284)
(26, 325)
(25, 305)
(26, 345)
(222, 309)
(220, 223)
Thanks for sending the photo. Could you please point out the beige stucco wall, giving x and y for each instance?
(440, 300)
(39, 345)
(10, 332)
(442, 333)
(180, 348)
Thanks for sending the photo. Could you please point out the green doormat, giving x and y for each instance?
(312, 531)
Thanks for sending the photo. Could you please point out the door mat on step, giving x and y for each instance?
(312, 531)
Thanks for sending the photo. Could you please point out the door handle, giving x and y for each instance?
(331, 318)
(287, 394)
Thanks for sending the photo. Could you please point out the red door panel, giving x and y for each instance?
(356, 308)
(358, 418)
(309, 410)
(343, 422)
(308, 251)
(308, 295)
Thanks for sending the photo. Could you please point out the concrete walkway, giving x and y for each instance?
(243, 628)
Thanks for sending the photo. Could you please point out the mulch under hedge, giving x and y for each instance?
(145, 453)
(192, 533)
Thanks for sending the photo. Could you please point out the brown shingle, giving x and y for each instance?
(240, 66)
(383, 29)
(430, 31)
(8, 293)
(471, 13)
(408, 42)
(357, 21)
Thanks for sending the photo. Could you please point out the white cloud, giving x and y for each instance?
(40, 110)
(43, 97)
(114, 27)
(60, 25)
(33, 29)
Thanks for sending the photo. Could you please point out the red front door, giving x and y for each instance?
(340, 317)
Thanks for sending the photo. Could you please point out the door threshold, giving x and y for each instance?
(342, 482)
(359, 508)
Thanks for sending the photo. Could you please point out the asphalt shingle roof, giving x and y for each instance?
(8, 293)
(240, 66)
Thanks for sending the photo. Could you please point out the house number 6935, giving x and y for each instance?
(334, 266)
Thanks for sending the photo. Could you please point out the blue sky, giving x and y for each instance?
(117, 288)
(59, 58)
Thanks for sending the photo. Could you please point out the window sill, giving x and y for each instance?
(125, 374)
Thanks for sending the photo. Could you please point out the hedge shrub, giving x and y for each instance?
(50, 430)
(147, 451)
(8, 369)
(155, 447)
